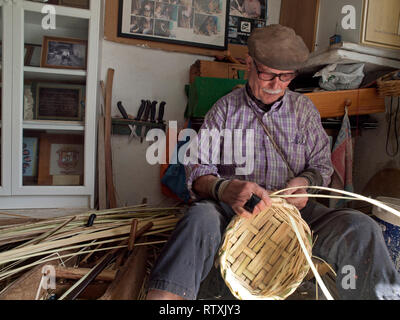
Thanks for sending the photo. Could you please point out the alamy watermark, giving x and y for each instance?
(349, 278)
(238, 147)
(49, 20)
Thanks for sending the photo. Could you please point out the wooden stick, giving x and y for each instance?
(78, 273)
(101, 166)
(107, 140)
(129, 279)
(132, 235)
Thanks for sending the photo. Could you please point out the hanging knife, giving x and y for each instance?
(139, 117)
(153, 111)
(153, 108)
(161, 109)
(125, 116)
(145, 118)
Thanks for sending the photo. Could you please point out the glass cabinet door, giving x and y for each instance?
(50, 101)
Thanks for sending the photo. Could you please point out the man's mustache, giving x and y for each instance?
(269, 91)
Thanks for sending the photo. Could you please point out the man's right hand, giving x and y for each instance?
(238, 192)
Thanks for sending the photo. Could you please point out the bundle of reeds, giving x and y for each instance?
(84, 238)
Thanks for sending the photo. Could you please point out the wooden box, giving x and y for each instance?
(215, 69)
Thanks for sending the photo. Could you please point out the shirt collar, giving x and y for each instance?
(265, 107)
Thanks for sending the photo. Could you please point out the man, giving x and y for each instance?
(294, 153)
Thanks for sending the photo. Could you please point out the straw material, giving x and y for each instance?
(261, 258)
(387, 86)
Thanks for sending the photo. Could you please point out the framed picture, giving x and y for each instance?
(33, 55)
(59, 101)
(64, 53)
(244, 17)
(29, 156)
(83, 4)
(200, 23)
(61, 159)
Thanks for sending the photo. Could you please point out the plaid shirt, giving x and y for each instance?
(295, 125)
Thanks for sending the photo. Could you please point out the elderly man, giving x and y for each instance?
(291, 150)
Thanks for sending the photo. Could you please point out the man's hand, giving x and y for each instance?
(300, 202)
(238, 192)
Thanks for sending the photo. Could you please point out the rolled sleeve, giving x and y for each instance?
(214, 119)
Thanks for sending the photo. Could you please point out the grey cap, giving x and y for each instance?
(278, 47)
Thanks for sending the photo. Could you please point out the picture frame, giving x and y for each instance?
(64, 53)
(61, 159)
(244, 17)
(199, 23)
(82, 4)
(33, 54)
(30, 147)
(54, 101)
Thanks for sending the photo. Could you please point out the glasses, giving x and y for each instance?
(269, 76)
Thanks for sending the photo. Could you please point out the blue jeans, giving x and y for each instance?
(345, 237)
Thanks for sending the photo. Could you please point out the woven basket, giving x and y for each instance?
(387, 86)
(261, 258)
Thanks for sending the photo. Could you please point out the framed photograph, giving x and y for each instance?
(200, 23)
(29, 156)
(33, 54)
(244, 17)
(61, 159)
(83, 4)
(64, 53)
(59, 102)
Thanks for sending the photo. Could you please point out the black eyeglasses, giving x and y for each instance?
(269, 76)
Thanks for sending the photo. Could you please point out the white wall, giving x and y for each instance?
(142, 73)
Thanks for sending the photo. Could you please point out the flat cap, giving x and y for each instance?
(278, 47)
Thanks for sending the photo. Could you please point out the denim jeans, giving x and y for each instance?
(344, 237)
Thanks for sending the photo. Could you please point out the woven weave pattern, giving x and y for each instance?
(387, 86)
(261, 257)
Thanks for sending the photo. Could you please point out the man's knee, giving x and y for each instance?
(358, 223)
(204, 216)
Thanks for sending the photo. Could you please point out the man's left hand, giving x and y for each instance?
(298, 202)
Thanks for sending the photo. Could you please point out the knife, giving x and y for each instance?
(139, 116)
(153, 111)
(145, 118)
(161, 109)
(125, 116)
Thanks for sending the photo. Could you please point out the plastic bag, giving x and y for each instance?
(341, 76)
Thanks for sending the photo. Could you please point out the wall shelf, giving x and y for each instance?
(50, 74)
(332, 103)
(54, 125)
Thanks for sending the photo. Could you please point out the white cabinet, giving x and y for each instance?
(48, 114)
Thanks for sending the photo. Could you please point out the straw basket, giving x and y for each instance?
(261, 258)
(389, 84)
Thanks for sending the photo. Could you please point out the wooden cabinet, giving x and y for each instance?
(382, 23)
(302, 16)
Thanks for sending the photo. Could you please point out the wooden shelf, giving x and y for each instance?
(332, 103)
